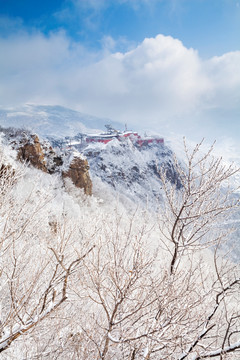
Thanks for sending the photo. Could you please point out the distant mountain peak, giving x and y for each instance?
(54, 121)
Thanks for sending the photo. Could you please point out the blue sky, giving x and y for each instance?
(210, 26)
(173, 64)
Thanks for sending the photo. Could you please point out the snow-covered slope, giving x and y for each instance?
(130, 170)
(120, 170)
(73, 259)
(59, 122)
(53, 121)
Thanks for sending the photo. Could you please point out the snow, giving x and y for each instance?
(127, 180)
(112, 338)
(219, 351)
(51, 121)
(16, 329)
(131, 171)
(145, 353)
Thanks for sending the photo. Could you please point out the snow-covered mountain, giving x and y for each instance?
(52, 121)
(119, 169)
(131, 173)
(59, 122)
(130, 170)
(73, 255)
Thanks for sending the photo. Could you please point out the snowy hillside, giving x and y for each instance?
(83, 278)
(59, 122)
(53, 121)
(132, 171)
(123, 272)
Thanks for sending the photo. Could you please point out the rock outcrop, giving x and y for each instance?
(79, 174)
(131, 170)
(31, 151)
(42, 156)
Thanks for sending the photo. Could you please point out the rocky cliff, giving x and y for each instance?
(40, 154)
(132, 171)
(79, 174)
(30, 151)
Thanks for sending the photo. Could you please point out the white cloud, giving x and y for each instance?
(224, 74)
(157, 83)
(10, 25)
(38, 68)
(108, 43)
(159, 79)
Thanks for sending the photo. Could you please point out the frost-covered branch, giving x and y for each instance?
(203, 199)
(221, 351)
(47, 307)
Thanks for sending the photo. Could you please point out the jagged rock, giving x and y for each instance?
(169, 169)
(42, 156)
(58, 161)
(79, 174)
(32, 152)
(133, 171)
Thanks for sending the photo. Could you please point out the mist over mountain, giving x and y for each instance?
(53, 121)
(59, 122)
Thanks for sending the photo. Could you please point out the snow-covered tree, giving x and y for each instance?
(194, 212)
(36, 253)
(81, 280)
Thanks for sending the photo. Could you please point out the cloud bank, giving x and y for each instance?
(158, 84)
